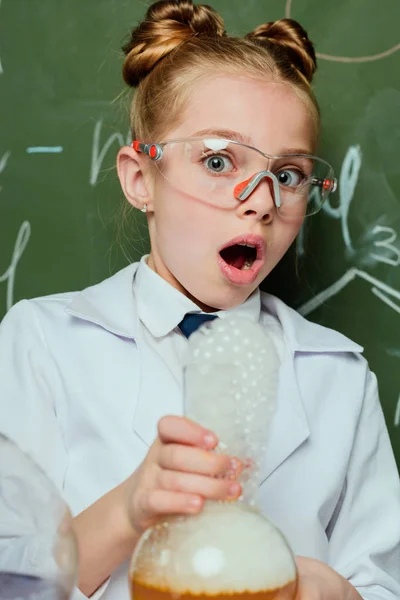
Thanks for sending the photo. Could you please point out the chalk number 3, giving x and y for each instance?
(392, 257)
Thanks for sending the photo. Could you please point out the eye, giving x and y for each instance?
(218, 163)
(290, 177)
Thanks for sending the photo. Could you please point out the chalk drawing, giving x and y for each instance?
(385, 299)
(347, 59)
(3, 162)
(8, 276)
(98, 155)
(348, 180)
(44, 149)
(397, 415)
(387, 244)
(383, 291)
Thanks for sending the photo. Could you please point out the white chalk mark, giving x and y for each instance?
(359, 59)
(385, 259)
(388, 245)
(323, 296)
(393, 352)
(348, 180)
(347, 59)
(397, 415)
(21, 242)
(44, 149)
(97, 155)
(385, 299)
(4, 160)
(339, 285)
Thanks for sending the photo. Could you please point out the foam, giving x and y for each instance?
(228, 548)
(231, 380)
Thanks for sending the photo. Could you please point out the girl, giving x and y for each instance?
(223, 163)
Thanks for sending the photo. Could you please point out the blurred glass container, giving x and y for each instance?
(38, 551)
(229, 550)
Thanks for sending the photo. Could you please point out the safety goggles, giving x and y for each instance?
(224, 172)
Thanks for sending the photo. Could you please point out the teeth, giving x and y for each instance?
(247, 265)
(248, 245)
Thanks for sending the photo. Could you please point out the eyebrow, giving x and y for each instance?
(229, 134)
(296, 151)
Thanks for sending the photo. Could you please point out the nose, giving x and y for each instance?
(258, 196)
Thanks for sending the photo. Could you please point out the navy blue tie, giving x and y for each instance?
(191, 322)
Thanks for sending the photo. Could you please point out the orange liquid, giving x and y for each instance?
(140, 591)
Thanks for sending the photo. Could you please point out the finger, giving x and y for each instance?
(176, 457)
(207, 487)
(167, 502)
(183, 431)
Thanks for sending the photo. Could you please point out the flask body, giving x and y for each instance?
(228, 551)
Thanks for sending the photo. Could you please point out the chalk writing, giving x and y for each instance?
(98, 155)
(8, 276)
(44, 149)
(382, 296)
(397, 414)
(348, 180)
(347, 59)
(379, 288)
(3, 162)
(387, 244)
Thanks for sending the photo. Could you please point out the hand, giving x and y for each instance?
(317, 581)
(179, 473)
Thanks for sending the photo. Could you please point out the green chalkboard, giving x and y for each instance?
(64, 113)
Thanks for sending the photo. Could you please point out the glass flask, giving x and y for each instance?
(229, 550)
(38, 551)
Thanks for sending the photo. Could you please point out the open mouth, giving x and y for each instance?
(240, 256)
(242, 259)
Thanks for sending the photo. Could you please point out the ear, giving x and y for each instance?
(130, 167)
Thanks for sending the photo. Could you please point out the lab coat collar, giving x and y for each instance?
(152, 291)
(110, 304)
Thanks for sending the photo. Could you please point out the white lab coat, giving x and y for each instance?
(72, 383)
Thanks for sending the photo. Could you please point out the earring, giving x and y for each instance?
(144, 209)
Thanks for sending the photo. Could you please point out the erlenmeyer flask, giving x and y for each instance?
(229, 550)
(38, 552)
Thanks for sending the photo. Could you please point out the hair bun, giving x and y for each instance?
(287, 35)
(167, 25)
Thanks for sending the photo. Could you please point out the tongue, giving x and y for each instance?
(234, 256)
